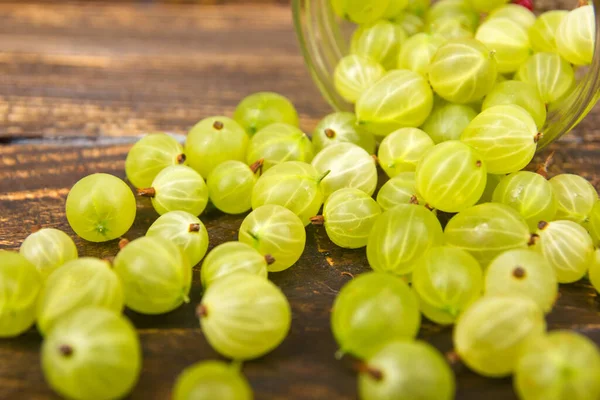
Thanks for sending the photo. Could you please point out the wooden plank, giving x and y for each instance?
(114, 69)
(35, 180)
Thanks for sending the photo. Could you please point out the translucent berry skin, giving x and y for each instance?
(576, 34)
(552, 76)
(380, 41)
(457, 9)
(92, 354)
(515, 12)
(447, 280)
(490, 335)
(354, 74)
(418, 51)
(522, 272)
(451, 176)
(487, 5)
(260, 109)
(562, 365)
(594, 271)
(232, 257)
(530, 195)
(508, 39)
(372, 310)
(463, 71)
(487, 230)
(401, 189)
(342, 127)
(411, 23)
(20, 283)
(100, 207)
(542, 34)
(156, 275)
(274, 230)
(418, 7)
(451, 28)
(447, 121)
(593, 224)
(400, 237)
(400, 99)
(277, 143)
(215, 140)
(401, 150)
(360, 12)
(520, 94)
(208, 380)
(48, 249)
(78, 284)
(230, 187)
(183, 229)
(349, 216)
(350, 167)
(294, 185)
(150, 155)
(401, 379)
(244, 316)
(567, 247)
(575, 195)
(179, 188)
(394, 8)
(504, 136)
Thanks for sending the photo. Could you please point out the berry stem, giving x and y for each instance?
(519, 272)
(66, 350)
(201, 311)
(194, 228)
(123, 242)
(364, 368)
(542, 169)
(453, 358)
(218, 125)
(257, 166)
(317, 220)
(533, 239)
(148, 192)
(269, 259)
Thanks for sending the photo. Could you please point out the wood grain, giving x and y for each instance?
(117, 69)
(94, 72)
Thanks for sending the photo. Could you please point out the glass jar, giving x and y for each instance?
(325, 39)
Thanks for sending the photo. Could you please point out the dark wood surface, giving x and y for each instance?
(96, 73)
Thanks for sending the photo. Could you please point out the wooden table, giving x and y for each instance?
(94, 74)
